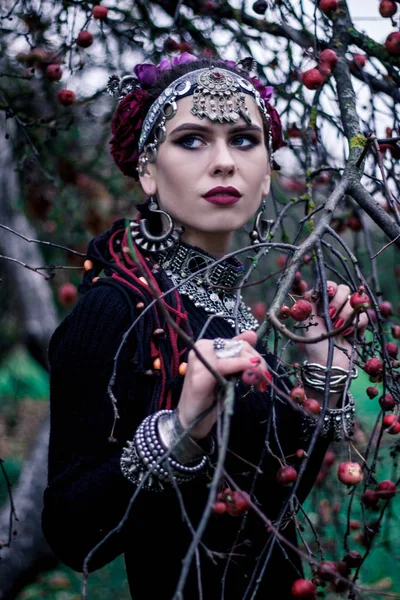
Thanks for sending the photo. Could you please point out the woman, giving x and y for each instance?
(199, 136)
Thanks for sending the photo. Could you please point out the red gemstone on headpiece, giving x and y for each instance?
(218, 75)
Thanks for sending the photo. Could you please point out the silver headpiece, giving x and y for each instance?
(218, 94)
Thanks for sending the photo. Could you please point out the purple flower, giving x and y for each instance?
(265, 91)
(146, 73)
(183, 58)
(164, 65)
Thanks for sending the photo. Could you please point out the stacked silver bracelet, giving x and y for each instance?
(314, 375)
(338, 423)
(157, 434)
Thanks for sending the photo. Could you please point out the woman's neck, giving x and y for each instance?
(216, 244)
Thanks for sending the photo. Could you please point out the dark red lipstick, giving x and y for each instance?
(223, 196)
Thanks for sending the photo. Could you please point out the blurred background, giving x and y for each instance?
(59, 186)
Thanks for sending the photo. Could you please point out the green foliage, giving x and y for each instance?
(22, 377)
(64, 584)
(380, 567)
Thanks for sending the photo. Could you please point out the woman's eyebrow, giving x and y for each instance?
(205, 129)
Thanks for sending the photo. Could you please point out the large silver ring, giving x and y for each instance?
(227, 348)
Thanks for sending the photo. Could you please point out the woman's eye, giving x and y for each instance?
(190, 141)
(245, 141)
(193, 142)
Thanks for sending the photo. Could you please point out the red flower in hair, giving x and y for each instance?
(276, 125)
(126, 127)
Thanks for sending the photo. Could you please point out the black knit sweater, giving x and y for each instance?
(87, 494)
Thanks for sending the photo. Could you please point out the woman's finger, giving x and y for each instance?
(360, 322)
(316, 299)
(248, 336)
(247, 353)
(338, 303)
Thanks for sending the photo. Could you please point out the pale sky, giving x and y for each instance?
(367, 18)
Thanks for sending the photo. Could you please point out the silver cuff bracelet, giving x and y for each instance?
(187, 449)
(315, 376)
(338, 423)
(144, 455)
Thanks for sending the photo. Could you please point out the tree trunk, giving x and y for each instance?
(28, 551)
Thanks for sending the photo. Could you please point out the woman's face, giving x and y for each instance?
(198, 156)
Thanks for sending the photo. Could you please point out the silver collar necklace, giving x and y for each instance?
(206, 290)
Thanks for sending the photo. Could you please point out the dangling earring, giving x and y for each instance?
(146, 240)
(261, 228)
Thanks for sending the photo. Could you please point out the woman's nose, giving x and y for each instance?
(222, 161)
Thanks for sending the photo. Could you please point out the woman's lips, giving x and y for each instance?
(222, 200)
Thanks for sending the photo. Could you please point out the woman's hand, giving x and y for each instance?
(340, 311)
(198, 391)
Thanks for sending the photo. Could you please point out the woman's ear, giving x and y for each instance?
(148, 179)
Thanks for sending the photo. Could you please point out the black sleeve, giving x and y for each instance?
(87, 494)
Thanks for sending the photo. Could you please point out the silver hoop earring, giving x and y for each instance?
(149, 242)
(261, 228)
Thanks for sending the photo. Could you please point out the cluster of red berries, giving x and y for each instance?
(337, 572)
(300, 311)
(232, 502)
(374, 366)
(327, 571)
(84, 40)
(391, 424)
(385, 490)
(313, 79)
(388, 9)
(309, 405)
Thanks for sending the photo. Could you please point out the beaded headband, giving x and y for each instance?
(218, 95)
